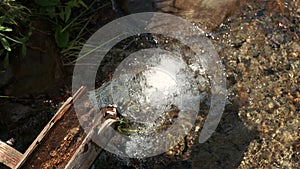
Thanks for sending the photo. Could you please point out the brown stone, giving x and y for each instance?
(208, 13)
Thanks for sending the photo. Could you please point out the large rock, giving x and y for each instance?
(209, 14)
(41, 69)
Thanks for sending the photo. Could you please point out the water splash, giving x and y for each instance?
(190, 81)
(145, 86)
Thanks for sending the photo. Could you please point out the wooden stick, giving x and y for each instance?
(9, 156)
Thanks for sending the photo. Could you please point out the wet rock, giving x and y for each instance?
(6, 76)
(22, 121)
(209, 14)
(135, 6)
(11, 113)
(41, 69)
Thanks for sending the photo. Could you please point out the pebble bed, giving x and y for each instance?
(260, 50)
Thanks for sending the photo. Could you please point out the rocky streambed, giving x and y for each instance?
(259, 47)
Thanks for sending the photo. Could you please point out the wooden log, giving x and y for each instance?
(88, 151)
(57, 136)
(63, 143)
(9, 156)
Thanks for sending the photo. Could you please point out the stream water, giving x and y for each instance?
(147, 86)
(158, 90)
(259, 129)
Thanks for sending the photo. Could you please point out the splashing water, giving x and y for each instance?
(145, 86)
(151, 85)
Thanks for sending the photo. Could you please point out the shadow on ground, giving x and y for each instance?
(227, 145)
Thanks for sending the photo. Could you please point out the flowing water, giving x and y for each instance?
(159, 90)
(147, 86)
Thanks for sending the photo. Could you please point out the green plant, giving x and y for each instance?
(60, 12)
(68, 24)
(13, 16)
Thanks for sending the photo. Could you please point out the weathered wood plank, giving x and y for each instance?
(44, 134)
(9, 156)
(63, 143)
(88, 151)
